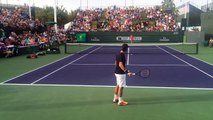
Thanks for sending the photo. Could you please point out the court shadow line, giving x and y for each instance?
(55, 105)
(171, 99)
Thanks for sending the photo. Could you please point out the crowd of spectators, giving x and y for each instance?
(18, 30)
(124, 19)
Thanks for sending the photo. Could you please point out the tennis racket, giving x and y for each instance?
(144, 73)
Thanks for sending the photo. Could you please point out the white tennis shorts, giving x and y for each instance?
(121, 80)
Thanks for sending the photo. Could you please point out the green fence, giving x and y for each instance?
(108, 37)
(28, 49)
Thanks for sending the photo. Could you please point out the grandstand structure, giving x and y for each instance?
(147, 24)
(19, 34)
(206, 19)
(29, 9)
(190, 13)
(196, 19)
(207, 7)
(117, 19)
(206, 24)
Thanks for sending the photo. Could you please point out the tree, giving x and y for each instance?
(168, 6)
(72, 15)
(47, 14)
(62, 15)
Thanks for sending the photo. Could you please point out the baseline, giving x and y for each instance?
(105, 86)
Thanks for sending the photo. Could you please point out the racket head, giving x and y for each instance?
(145, 72)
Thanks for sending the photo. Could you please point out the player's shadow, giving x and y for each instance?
(171, 99)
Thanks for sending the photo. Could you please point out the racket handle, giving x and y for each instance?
(133, 73)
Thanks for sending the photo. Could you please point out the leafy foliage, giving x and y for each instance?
(46, 14)
(169, 6)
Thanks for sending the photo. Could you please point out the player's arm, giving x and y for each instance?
(121, 65)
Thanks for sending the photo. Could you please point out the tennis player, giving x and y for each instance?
(120, 74)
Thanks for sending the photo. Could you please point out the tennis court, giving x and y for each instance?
(79, 87)
(94, 66)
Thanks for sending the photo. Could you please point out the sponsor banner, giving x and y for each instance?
(164, 39)
(95, 39)
(103, 37)
(127, 38)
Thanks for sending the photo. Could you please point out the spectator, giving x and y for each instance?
(211, 42)
(124, 19)
(16, 30)
(2, 35)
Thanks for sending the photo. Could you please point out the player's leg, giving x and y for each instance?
(121, 82)
(121, 102)
(115, 99)
(120, 93)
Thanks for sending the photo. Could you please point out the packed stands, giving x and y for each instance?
(18, 31)
(125, 20)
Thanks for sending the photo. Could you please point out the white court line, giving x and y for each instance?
(187, 63)
(128, 56)
(193, 57)
(40, 67)
(95, 64)
(36, 69)
(154, 65)
(104, 86)
(161, 65)
(200, 60)
(65, 66)
(144, 48)
(132, 47)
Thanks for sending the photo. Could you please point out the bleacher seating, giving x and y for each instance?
(124, 19)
